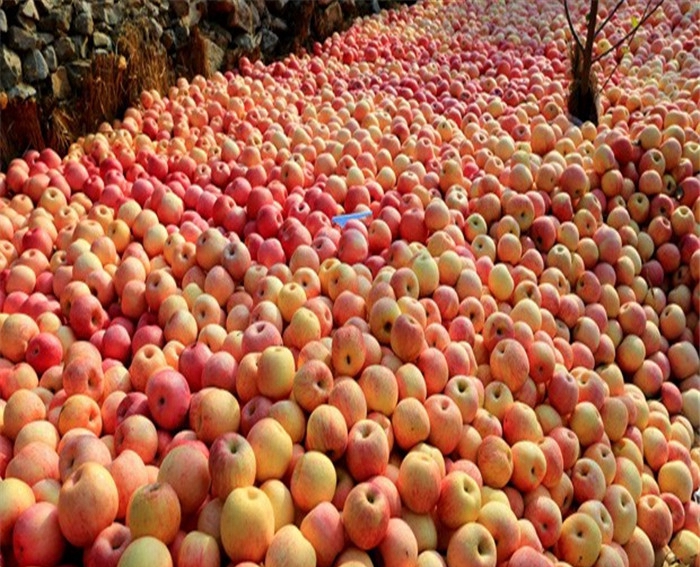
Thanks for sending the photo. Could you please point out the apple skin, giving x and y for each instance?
(247, 524)
(471, 545)
(290, 548)
(366, 515)
(146, 549)
(186, 469)
(198, 549)
(87, 503)
(37, 537)
(231, 464)
(168, 394)
(154, 510)
(367, 452)
(108, 546)
(323, 527)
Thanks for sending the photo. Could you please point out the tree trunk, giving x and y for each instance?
(583, 98)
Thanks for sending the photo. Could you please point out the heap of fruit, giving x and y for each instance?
(497, 366)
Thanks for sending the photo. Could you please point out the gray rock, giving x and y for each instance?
(65, 49)
(10, 68)
(21, 39)
(78, 71)
(83, 24)
(28, 10)
(34, 66)
(247, 42)
(276, 5)
(45, 39)
(279, 25)
(110, 15)
(269, 41)
(157, 29)
(46, 5)
(215, 55)
(181, 34)
(22, 91)
(101, 40)
(50, 57)
(81, 45)
(57, 20)
(25, 23)
(3, 22)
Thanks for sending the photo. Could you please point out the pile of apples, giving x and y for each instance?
(493, 363)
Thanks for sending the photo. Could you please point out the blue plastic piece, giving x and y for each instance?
(340, 220)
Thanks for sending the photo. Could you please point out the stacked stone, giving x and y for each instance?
(46, 46)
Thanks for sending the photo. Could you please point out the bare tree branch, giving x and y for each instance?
(632, 32)
(577, 39)
(590, 35)
(609, 17)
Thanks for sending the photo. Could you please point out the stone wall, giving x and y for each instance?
(49, 50)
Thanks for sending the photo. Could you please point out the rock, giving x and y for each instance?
(277, 6)
(215, 55)
(28, 10)
(21, 39)
(168, 39)
(10, 68)
(65, 49)
(78, 71)
(242, 14)
(3, 22)
(25, 23)
(330, 20)
(22, 91)
(45, 5)
(45, 39)
(50, 57)
(81, 45)
(60, 84)
(58, 20)
(34, 66)
(279, 25)
(180, 7)
(110, 15)
(102, 40)
(157, 29)
(247, 43)
(83, 24)
(182, 33)
(269, 41)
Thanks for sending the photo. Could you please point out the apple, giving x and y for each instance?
(366, 515)
(367, 452)
(108, 546)
(313, 480)
(419, 482)
(198, 548)
(247, 524)
(168, 394)
(39, 520)
(146, 548)
(16, 497)
(186, 469)
(154, 510)
(272, 447)
(472, 544)
(87, 503)
(290, 547)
